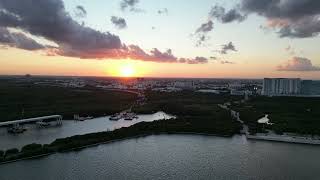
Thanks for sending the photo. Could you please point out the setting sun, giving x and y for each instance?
(125, 68)
(127, 71)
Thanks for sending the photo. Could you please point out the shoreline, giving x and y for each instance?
(248, 137)
(277, 138)
(287, 139)
(112, 141)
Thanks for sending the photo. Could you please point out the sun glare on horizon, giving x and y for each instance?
(125, 68)
(127, 71)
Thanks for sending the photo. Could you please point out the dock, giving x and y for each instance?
(37, 119)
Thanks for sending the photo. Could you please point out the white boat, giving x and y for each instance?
(128, 118)
(43, 124)
(16, 130)
(115, 117)
(78, 118)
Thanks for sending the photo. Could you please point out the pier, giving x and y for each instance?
(16, 128)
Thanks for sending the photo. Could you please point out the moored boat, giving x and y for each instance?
(115, 117)
(128, 118)
(16, 130)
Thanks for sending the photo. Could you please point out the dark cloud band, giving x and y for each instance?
(290, 18)
(18, 40)
(48, 19)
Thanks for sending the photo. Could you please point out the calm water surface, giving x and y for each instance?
(69, 128)
(175, 157)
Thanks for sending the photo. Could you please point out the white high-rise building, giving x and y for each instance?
(281, 86)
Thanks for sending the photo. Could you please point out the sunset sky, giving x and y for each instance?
(167, 38)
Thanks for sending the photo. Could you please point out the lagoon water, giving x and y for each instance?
(159, 156)
(175, 157)
(69, 128)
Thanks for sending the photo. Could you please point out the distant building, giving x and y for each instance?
(167, 89)
(309, 87)
(235, 85)
(209, 91)
(281, 86)
(241, 93)
(186, 85)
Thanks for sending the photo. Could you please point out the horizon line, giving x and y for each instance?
(117, 77)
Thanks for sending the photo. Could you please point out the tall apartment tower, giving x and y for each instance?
(281, 86)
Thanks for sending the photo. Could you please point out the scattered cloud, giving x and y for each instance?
(290, 50)
(220, 60)
(80, 11)
(163, 11)
(223, 16)
(220, 13)
(226, 62)
(50, 21)
(119, 22)
(202, 39)
(198, 60)
(298, 64)
(202, 33)
(130, 5)
(205, 27)
(228, 47)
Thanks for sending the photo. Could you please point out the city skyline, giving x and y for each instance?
(139, 38)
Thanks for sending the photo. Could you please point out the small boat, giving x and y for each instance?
(88, 117)
(15, 130)
(115, 117)
(43, 124)
(128, 118)
(79, 118)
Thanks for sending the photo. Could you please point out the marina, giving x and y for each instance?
(126, 115)
(17, 126)
(44, 135)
